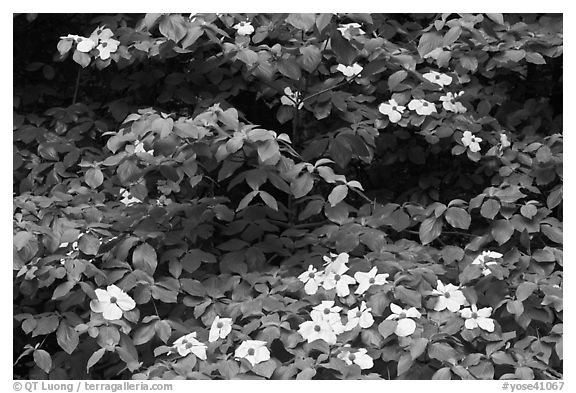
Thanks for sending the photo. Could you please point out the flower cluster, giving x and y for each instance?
(291, 98)
(471, 141)
(350, 71)
(485, 259)
(349, 30)
(100, 39)
(334, 277)
(244, 28)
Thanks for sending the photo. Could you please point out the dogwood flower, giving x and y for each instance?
(360, 316)
(220, 328)
(438, 78)
(85, 45)
(101, 33)
(471, 142)
(359, 357)
(450, 104)
(330, 313)
(317, 329)
(406, 325)
(254, 351)
(392, 110)
(106, 47)
(481, 260)
(366, 280)
(504, 141)
(478, 318)
(244, 28)
(449, 297)
(347, 29)
(312, 279)
(188, 344)
(112, 302)
(337, 279)
(127, 198)
(291, 98)
(350, 71)
(336, 264)
(422, 107)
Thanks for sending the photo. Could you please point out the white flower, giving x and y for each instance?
(347, 29)
(337, 279)
(336, 264)
(312, 279)
(450, 104)
(85, 45)
(106, 47)
(254, 351)
(188, 344)
(481, 260)
(220, 328)
(478, 318)
(112, 302)
(360, 357)
(127, 198)
(449, 297)
(329, 313)
(317, 329)
(392, 110)
(360, 316)
(504, 141)
(366, 280)
(438, 78)
(139, 148)
(101, 33)
(350, 71)
(406, 326)
(291, 98)
(422, 107)
(470, 141)
(244, 28)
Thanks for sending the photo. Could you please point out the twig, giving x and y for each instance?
(77, 86)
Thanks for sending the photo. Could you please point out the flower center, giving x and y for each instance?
(394, 108)
(352, 357)
(437, 77)
(424, 104)
(104, 44)
(311, 275)
(372, 280)
(452, 101)
(402, 315)
(317, 328)
(474, 315)
(219, 325)
(113, 299)
(326, 311)
(359, 314)
(337, 277)
(251, 351)
(447, 295)
(184, 341)
(188, 345)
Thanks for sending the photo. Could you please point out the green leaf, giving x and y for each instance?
(173, 26)
(408, 296)
(338, 194)
(246, 200)
(63, 289)
(387, 328)
(430, 229)
(143, 334)
(46, 325)
(67, 337)
(442, 374)
(344, 51)
(95, 358)
(301, 21)
(43, 360)
(94, 177)
(145, 258)
(163, 330)
(428, 42)
(404, 363)
(396, 78)
(255, 178)
(528, 210)
(269, 200)
(498, 18)
(81, 58)
(302, 185)
(443, 352)
(515, 307)
(452, 35)
(89, 244)
(490, 208)
(417, 347)
(553, 233)
(193, 287)
(458, 217)
(268, 152)
(502, 231)
(289, 68)
(265, 369)
(311, 57)
(535, 58)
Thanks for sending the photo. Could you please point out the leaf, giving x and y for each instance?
(498, 18)
(404, 363)
(311, 57)
(375, 67)
(387, 327)
(269, 152)
(173, 26)
(553, 233)
(502, 231)
(554, 198)
(338, 194)
(89, 244)
(302, 21)
(67, 337)
(442, 374)
(528, 210)
(289, 68)
(255, 178)
(417, 347)
(246, 200)
(43, 360)
(193, 287)
(490, 208)
(458, 217)
(95, 358)
(443, 352)
(408, 296)
(269, 200)
(302, 185)
(128, 171)
(515, 307)
(144, 258)
(81, 58)
(535, 58)
(265, 369)
(344, 51)
(428, 42)
(163, 330)
(452, 35)
(63, 289)
(396, 78)
(94, 177)
(144, 334)
(46, 325)
(430, 229)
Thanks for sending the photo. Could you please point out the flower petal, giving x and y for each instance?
(363, 360)
(112, 312)
(470, 323)
(405, 327)
(486, 324)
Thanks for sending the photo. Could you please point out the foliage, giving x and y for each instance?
(207, 166)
